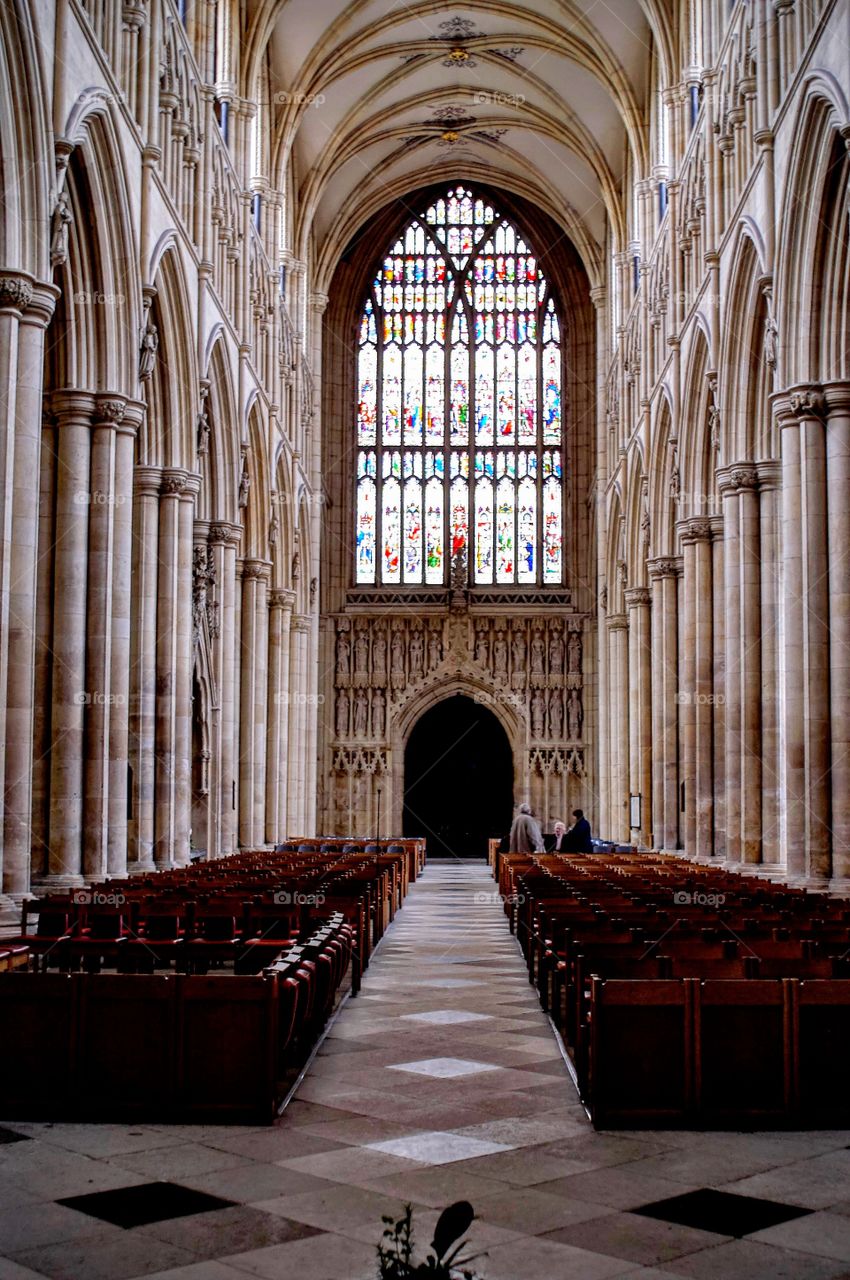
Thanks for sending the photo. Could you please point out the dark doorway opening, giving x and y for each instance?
(458, 779)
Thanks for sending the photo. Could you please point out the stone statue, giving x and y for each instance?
(62, 219)
(537, 652)
(343, 658)
(397, 659)
(771, 338)
(379, 658)
(342, 713)
(147, 355)
(556, 654)
(203, 441)
(378, 707)
(481, 647)
(417, 654)
(556, 714)
(518, 660)
(575, 715)
(674, 485)
(537, 714)
(274, 527)
(574, 652)
(500, 656)
(435, 650)
(361, 708)
(361, 654)
(314, 589)
(244, 486)
(296, 565)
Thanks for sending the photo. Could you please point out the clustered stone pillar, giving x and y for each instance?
(224, 540)
(696, 697)
(664, 574)
(73, 411)
(25, 311)
(254, 692)
(173, 706)
(806, 609)
(837, 399)
(277, 754)
(147, 482)
(638, 601)
(618, 693)
(296, 764)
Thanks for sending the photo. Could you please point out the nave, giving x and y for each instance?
(441, 1081)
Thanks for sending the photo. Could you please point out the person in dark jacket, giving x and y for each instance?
(526, 836)
(578, 837)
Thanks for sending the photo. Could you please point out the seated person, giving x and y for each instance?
(556, 843)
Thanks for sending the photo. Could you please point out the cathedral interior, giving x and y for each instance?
(408, 413)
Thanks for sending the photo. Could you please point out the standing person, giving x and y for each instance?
(561, 845)
(526, 836)
(579, 834)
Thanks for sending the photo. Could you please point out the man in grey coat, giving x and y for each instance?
(526, 836)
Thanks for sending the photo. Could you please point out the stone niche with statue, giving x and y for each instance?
(527, 666)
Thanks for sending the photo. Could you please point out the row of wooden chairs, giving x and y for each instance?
(647, 963)
(192, 994)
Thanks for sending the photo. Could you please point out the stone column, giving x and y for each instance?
(746, 481)
(618, 720)
(26, 307)
(147, 483)
(793, 701)
(663, 574)
(280, 613)
(122, 560)
(718, 649)
(185, 662)
(167, 820)
(769, 481)
(809, 407)
(837, 396)
(296, 770)
(254, 690)
(732, 584)
(638, 602)
(224, 540)
(109, 411)
(73, 411)
(697, 698)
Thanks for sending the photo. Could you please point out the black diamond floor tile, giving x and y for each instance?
(722, 1212)
(151, 1202)
(9, 1135)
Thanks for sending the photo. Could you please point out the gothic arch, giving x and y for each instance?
(173, 391)
(745, 434)
(24, 162)
(697, 449)
(98, 316)
(662, 507)
(257, 514)
(219, 464)
(815, 242)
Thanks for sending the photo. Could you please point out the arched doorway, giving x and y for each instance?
(458, 779)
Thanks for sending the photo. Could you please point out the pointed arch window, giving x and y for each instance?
(460, 407)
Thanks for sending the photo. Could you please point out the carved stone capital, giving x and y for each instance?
(147, 482)
(617, 622)
(15, 292)
(227, 534)
(173, 483)
(71, 407)
(259, 569)
(837, 397)
(636, 597)
(664, 567)
(110, 410)
(281, 599)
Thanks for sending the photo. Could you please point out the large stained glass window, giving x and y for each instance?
(459, 424)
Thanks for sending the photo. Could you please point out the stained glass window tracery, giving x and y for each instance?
(460, 406)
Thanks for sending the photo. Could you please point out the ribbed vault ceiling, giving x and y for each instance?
(380, 97)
